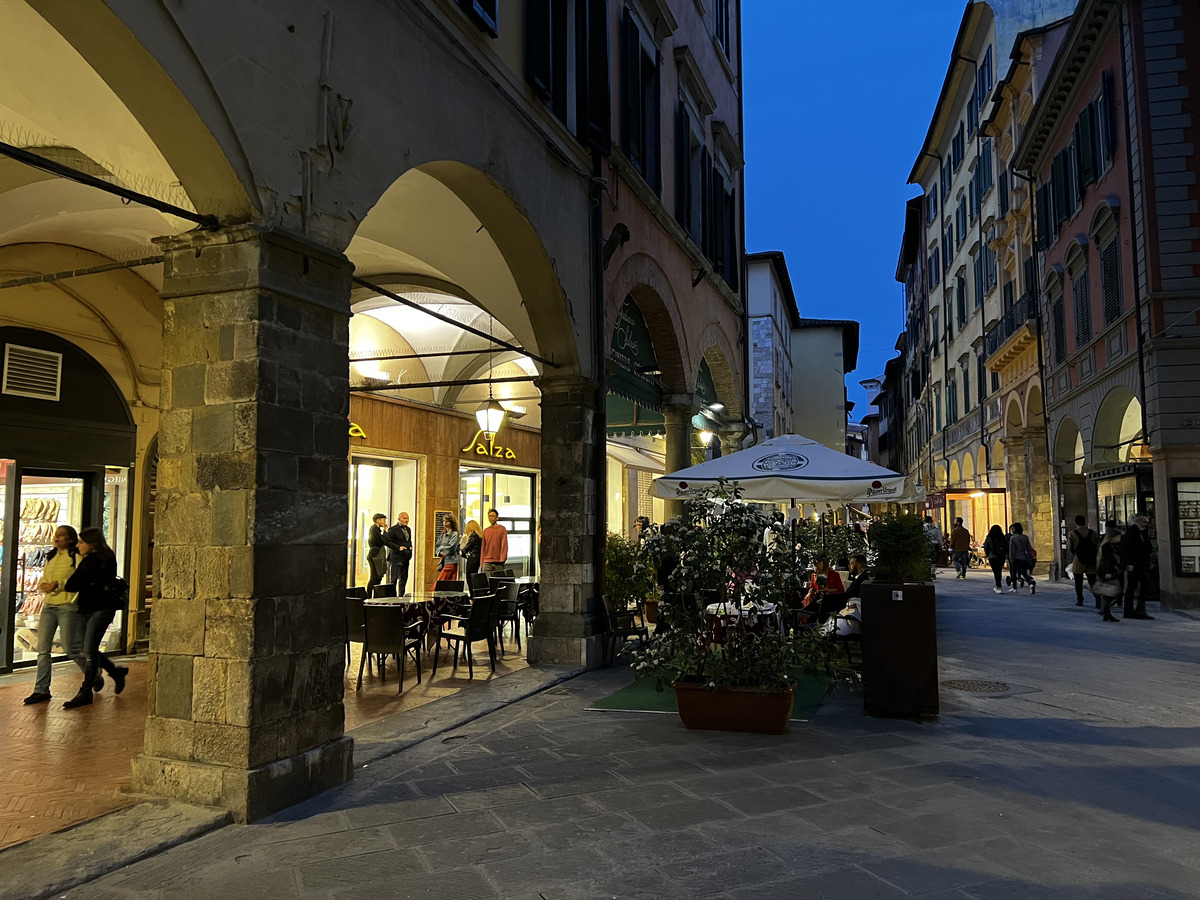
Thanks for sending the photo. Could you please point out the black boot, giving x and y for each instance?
(83, 698)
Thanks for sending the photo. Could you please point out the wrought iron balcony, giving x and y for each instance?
(1009, 337)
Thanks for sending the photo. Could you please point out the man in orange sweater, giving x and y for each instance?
(494, 552)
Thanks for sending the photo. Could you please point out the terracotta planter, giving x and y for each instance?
(733, 708)
(651, 608)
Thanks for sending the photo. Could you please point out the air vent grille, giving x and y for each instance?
(30, 372)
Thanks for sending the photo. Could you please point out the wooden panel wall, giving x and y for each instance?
(437, 437)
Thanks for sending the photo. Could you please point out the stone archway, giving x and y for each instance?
(642, 278)
(1117, 428)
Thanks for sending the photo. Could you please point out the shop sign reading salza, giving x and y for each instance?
(477, 446)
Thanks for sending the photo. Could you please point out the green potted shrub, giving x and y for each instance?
(628, 573)
(899, 630)
(744, 677)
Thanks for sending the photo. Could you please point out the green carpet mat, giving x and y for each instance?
(642, 697)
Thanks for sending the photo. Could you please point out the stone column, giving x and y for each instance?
(677, 413)
(567, 629)
(1040, 503)
(246, 636)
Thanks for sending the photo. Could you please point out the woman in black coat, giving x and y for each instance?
(995, 546)
(94, 582)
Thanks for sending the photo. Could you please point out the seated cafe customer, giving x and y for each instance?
(824, 579)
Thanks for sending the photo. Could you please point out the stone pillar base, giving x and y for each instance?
(581, 651)
(249, 794)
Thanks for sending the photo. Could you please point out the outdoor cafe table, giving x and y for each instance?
(430, 606)
(722, 616)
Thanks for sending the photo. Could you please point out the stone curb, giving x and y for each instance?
(53, 863)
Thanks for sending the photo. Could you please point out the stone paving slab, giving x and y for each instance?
(1079, 782)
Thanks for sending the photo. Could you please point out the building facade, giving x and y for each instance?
(191, 216)
(773, 315)
(1111, 145)
(962, 463)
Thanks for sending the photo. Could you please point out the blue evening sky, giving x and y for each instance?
(838, 98)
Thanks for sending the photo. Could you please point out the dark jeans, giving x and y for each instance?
(398, 574)
(377, 560)
(93, 634)
(997, 567)
(1091, 580)
(1019, 572)
(961, 558)
(1135, 579)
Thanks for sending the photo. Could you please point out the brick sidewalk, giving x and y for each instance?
(62, 767)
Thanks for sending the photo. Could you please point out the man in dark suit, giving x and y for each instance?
(376, 551)
(400, 551)
(1135, 553)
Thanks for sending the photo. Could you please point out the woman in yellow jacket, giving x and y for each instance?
(59, 612)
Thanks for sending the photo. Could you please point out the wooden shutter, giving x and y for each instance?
(1085, 132)
(631, 83)
(1110, 280)
(1003, 192)
(1058, 183)
(732, 257)
(683, 170)
(484, 13)
(1030, 287)
(706, 204)
(717, 249)
(537, 48)
(1042, 240)
(1060, 331)
(594, 116)
(1108, 119)
(1083, 310)
(652, 112)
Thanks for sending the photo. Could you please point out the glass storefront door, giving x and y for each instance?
(514, 497)
(387, 486)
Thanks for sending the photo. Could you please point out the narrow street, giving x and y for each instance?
(1078, 781)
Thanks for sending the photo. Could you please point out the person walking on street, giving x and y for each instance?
(495, 544)
(995, 547)
(59, 613)
(933, 534)
(94, 581)
(1084, 546)
(1135, 554)
(1109, 571)
(960, 547)
(376, 551)
(400, 550)
(1020, 559)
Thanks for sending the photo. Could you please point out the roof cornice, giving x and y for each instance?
(1091, 24)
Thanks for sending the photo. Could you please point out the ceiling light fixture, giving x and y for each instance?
(490, 415)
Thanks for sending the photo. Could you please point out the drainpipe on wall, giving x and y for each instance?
(600, 358)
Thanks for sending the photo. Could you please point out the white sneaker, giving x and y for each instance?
(1012, 590)
(997, 590)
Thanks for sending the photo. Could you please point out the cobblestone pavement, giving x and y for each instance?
(1080, 781)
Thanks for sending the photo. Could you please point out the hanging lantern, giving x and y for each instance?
(490, 417)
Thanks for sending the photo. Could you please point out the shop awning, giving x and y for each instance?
(635, 458)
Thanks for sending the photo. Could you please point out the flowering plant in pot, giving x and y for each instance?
(720, 630)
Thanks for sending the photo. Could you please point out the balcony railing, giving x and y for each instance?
(1023, 312)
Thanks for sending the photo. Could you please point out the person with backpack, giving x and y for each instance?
(1021, 558)
(100, 594)
(1084, 546)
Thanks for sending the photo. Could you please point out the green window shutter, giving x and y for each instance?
(1058, 181)
(706, 204)
(1108, 119)
(1060, 331)
(594, 95)
(1083, 310)
(631, 84)
(683, 170)
(1043, 218)
(652, 112)
(732, 257)
(1110, 277)
(537, 49)
(1085, 141)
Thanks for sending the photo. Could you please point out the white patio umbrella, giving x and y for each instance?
(793, 467)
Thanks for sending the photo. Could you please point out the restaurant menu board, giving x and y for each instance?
(1187, 512)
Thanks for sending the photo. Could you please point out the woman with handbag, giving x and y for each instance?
(1108, 585)
(472, 546)
(1020, 559)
